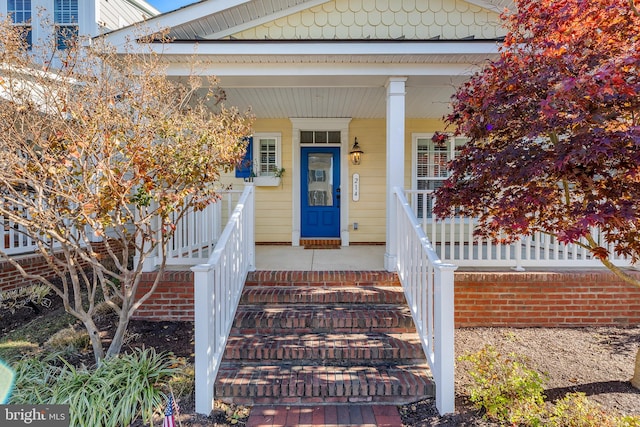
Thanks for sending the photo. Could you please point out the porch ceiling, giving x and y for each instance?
(322, 86)
(425, 98)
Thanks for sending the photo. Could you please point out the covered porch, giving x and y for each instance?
(317, 75)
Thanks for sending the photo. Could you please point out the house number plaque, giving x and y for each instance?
(356, 187)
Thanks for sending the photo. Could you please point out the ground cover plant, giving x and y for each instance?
(115, 393)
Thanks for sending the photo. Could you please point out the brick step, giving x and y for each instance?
(312, 385)
(300, 319)
(323, 295)
(322, 278)
(335, 349)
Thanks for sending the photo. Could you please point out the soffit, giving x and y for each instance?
(430, 101)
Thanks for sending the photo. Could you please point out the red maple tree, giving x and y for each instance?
(554, 128)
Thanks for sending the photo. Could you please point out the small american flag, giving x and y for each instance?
(169, 417)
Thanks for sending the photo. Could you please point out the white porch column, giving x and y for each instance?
(395, 161)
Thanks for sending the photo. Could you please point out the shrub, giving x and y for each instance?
(505, 387)
(575, 410)
(183, 382)
(117, 392)
(628, 421)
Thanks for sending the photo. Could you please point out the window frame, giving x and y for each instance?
(66, 24)
(257, 153)
(25, 22)
(453, 143)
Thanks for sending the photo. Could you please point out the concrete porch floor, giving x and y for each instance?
(297, 258)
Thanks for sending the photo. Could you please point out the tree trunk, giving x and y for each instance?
(96, 341)
(118, 336)
(635, 381)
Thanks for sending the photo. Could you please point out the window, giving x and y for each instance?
(431, 167)
(320, 137)
(262, 157)
(20, 11)
(66, 21)
(266, 154)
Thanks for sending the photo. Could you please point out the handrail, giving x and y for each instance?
(218, 285)
(198, 231)
(428, 285)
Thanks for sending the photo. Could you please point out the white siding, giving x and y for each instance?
(115, 14)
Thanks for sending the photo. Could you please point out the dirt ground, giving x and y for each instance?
(596, 360)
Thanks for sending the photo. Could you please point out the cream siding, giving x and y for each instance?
(274, 204)
(383, 19)
(369, 211)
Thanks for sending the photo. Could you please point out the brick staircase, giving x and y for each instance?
(307, 338)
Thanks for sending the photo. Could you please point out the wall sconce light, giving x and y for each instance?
(356, 153)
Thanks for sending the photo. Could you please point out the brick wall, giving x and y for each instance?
(519, 299)
(172, 299)
(10, 278)
(559, 298)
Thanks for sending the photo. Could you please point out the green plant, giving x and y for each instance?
(278, 173)
(575, 410)
(35, 379)
(628, 421)
(120, 390)
(505, 387)
(183, 382)
(18, 298)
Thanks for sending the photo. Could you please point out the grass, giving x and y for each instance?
(31, 336)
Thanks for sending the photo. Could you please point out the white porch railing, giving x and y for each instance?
(198, 232)
(428, 287)
(453, 241)
(14, 241)
(217, 288)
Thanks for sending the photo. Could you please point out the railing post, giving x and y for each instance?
(203, 337)
(444, 337)
(150, 260)
(250, 226)
(517, 245)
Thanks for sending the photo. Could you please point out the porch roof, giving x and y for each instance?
(315, 77)
(341, 79)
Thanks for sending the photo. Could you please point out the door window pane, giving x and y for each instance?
(320, 137)
(319, 179)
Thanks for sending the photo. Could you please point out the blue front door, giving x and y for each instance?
(320, 198)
